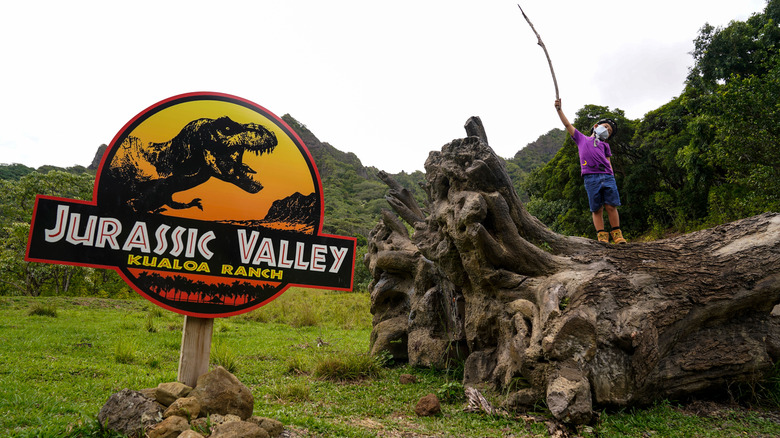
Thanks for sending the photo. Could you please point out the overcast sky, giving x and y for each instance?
(389, 81)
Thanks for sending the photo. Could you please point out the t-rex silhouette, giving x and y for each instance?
(145, 177)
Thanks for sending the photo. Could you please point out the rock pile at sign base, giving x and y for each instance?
(219, 406)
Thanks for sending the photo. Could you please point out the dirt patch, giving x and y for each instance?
(381, 430)
(716, 410)
(295, 432)
(105, 303)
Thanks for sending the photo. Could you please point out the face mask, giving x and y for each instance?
(601, 132)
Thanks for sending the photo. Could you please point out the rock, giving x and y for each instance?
(228, 404)
(150, 393)
(773, 335)
(428, 406)
(391, 336)
(187, 407)
(273, 427)
(201, 425)
(220, 392)
(130, 413)
(521, 400)
(568, 398)
(217, 419)
(171, 427)
(406, 379)
(167, 393)
(239, 429)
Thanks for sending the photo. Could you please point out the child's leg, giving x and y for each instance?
(598, 222)
(614, 222)
(598, 219)
(613, 216)
(596, 204)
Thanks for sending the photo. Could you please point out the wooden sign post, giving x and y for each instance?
(195, 349)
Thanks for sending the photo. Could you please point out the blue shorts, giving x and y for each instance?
(602, 189)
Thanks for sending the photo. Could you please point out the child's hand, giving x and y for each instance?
(558, 104)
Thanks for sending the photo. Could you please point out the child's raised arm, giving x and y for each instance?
(566, 124)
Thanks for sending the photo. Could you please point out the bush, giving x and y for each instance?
(225, 357)
(295, 392)
(124, 352)
(347, 367)
(40, 309)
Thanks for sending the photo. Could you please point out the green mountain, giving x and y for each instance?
(13, 172)
(540, 151)
(532, 157)
(354, 195)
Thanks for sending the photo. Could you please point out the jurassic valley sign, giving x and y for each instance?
(206, 204)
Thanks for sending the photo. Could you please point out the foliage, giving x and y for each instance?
(533, 156)
(14, 171)
(41, 309)
(125, 351)
(349, 367)
(354, 194)
(708, 156)
(18, 277)
(671, 420)
(294, 392)
(224, 356)
(451, 392)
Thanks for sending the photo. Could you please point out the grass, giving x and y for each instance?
(42, 309)
(124, 351)
(347, 367)
(303, 356)
(224, 356)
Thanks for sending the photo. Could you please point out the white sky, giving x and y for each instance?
(389, 81)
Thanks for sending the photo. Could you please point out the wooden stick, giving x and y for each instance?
(195, 349)
(539, 41)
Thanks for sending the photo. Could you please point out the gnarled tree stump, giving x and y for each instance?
(568, 320)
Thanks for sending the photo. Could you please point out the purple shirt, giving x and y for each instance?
(593, 154)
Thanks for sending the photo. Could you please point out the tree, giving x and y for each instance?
(740, 49)
(17, 198)
(533, 156)
(14, 171)
(706, 157)
(568, 321)
(733, 92)
(745, 145)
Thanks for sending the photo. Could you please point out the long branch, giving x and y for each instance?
(541, 43)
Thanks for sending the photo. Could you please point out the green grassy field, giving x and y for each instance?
(303, 357)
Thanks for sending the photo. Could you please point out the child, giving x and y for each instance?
(596, 170)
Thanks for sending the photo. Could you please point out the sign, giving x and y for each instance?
(206, 204)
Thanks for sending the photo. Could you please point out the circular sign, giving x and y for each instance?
(208, 205)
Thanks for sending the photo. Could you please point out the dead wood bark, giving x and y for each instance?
(577, 324)
(546, 53)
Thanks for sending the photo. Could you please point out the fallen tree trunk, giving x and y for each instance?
(567, 320)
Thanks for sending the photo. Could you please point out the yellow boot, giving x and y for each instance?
(617, 236)
(603, 236)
